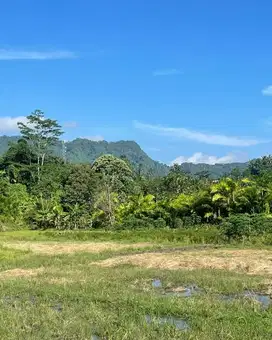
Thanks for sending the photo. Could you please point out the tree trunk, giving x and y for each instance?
(39, 176)
(111, 217)
(43, 157)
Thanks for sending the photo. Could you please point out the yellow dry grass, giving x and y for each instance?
(19, 272)
(54, 248)
(246, 260)
(61, 280)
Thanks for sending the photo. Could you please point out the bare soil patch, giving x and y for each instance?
(250, 261)
(61, 248)
(19, 272)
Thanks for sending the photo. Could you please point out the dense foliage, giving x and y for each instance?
(84, 151)
(42, 191)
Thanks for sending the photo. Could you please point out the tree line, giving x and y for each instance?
(40, 191)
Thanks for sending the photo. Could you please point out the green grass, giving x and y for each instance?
(73, 299)
(185, 236)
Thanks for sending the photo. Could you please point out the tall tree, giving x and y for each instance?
(19, 162)
(41, 133)
(223, 194)
(115, 173)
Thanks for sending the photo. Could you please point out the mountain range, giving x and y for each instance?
(86, 151)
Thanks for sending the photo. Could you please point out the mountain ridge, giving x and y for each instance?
(82, 150)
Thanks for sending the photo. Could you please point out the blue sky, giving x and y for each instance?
(187, 80)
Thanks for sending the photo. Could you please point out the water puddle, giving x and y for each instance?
(184, 291)
(193, 290)
(264, 300)
(95, 337)
(187, 291)
(15, 301)
(58, 307)
(156, 283)
(180, 324)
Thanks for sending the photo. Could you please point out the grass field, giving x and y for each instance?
(103, 286)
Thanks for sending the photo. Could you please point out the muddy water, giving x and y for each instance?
(193, 290)
(187, 291)
(180, 324)
(264, 300)
(156, 283)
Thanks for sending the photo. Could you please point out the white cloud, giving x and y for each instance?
(69, 125)
(9, 124)
(267, 91)
(35, 55)
(167, 72)
(199, 157)
(200, 137)
(96, 138)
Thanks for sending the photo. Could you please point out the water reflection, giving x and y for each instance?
(180, 324)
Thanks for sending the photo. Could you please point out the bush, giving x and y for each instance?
(244, 226)
(159, 223)
(201, 234)
(189, 221)
(8, 223)
(177, 223)
(186, 221)
(237, 226)
(133, 222)
(261, 224)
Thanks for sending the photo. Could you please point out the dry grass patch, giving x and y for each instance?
(246, 260)
(61, 280)
(61, 248)
(19, 272)
(64, 277)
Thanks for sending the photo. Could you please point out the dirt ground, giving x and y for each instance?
(61, 248)
(249, 261)
(19, 272)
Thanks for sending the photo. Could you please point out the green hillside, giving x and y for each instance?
(5, 141)
(86, 151)
(215, 171)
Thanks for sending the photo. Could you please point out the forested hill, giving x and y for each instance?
(5, 141)
(86, 151)
(215, 171)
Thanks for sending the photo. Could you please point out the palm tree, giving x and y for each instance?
(223, 194)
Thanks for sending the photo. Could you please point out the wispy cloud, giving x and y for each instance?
(70, 125)
(35, 55)
(267, 91)
(166, 72)
(96, 138)
(8, 125)
(199, 157)
(200, 137)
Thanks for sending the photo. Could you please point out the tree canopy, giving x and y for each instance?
(41, 190)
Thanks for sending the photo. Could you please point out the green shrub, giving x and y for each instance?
(189, 221)
(261, 224)
(177, 223)
(133, 222)
(245, 226)
(8, 224)
(195, 235)
(237, 226)
(159, 223)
